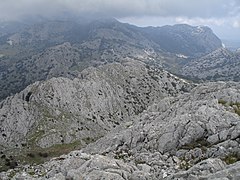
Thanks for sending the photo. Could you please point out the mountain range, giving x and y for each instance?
(63, 48)
(101, 99)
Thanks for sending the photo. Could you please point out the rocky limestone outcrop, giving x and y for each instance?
(77, 165)
(180, 133)
(79, 111)
(193, 136)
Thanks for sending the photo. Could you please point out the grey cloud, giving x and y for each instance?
(120, 8)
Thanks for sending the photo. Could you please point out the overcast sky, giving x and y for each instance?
(223, 16)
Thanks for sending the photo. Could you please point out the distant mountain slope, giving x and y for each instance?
(64, 48)
(180, 38)
(221, 64)
(184, 39)
(232, 44)
(50, 33)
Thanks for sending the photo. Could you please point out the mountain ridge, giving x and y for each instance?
(105, 105)
(221, 64)
(91, 44)
(98, 100)
(192, 135)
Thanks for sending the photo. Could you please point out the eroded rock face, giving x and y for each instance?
(175, 122)
(62, 110)
(180, 132)
(77, 165)
(192, 136)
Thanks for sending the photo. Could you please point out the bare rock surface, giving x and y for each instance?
(195, 135)
(61, 112)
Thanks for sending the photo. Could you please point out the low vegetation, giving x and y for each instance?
(231, 158)
(234, 105)
(223, 102)
(36, 155)
(200, 143)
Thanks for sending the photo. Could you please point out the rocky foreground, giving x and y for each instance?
(195, 135)
(54, 117)
(62, 110)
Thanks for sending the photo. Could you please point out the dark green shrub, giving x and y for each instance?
(221, 101)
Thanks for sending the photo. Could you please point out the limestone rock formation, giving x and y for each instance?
(195, 135)
(77, 112)
(100, 106)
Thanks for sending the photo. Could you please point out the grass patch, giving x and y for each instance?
(34, 137)
(237, 111)
(88, 140)
(184, 165)
(223, 102)
(38, 155)
(231, 158)
(12, 174)
(200, 143)
(234, 105)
